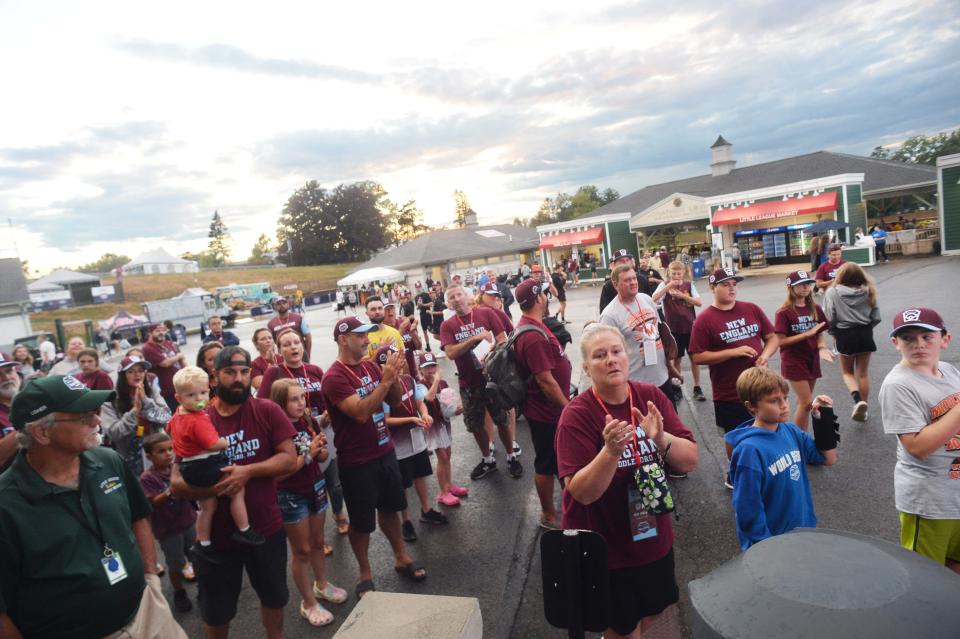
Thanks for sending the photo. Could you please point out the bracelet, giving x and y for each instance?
(667, 449)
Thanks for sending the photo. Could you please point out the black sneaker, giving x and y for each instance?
(483, 469)
(206, 553)
(181, 601)
(514, 468)
(698, 394)
(727, 482)
(409, 532)
(433, 517)
(248, 536)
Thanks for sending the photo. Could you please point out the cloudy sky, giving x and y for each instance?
(126, 124)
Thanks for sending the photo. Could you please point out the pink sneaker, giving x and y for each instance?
(448, 500)
(459, 491)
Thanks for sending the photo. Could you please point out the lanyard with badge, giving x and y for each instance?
(314, 411)
(649, 333)
(649, 494)
(383, 434)
(111, 561)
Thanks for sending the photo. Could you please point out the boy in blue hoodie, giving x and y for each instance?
(768, 458)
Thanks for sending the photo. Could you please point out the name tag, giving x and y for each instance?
(114, 568)
(320, 495)
(383, 433)
(642, 524)
(649, 352)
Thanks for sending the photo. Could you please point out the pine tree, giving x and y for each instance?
(219, 245)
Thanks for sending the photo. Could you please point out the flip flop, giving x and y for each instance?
(364, 587)
(343, 526)
(327, 550)
(409, 571)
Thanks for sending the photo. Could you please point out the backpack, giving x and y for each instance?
(506, 388)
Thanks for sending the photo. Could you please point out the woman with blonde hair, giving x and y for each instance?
(612, 443)
(850, 305)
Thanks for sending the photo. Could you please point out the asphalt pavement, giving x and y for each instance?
(490, 548)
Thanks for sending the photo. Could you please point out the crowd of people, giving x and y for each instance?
(230, 463)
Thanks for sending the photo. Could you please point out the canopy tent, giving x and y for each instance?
(194, 291)
(122, 319)
(375, 274)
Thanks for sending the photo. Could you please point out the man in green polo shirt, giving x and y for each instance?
(77, 558)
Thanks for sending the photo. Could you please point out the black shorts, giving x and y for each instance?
(561, 296)
(683, 343)
(854, 340)
(543, 435)
(371, 487)
(341, 307)
(219, 585)
(415, 467)
(204, 472)
(639, 592)
(729, 415)
(673, 392)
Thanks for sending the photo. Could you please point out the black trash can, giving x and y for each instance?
(824, 584)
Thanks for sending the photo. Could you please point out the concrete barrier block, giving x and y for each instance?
(404, 616)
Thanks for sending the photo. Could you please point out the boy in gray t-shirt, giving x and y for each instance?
(920, 403)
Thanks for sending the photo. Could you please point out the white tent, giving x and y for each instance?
(368, 275)
(159, 261)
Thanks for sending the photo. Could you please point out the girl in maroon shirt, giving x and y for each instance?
(263, 341)
(292, 366)
(90, 373)
(801, 326)
(302, 497)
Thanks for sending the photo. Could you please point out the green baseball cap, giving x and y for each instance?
(55, 394)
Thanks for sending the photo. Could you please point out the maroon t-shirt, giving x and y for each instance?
(97, 380)
(579, 439)
(291, 320)
(799, 361)
(458, 329)
(259, 366)
(714, 330)
(434, 408)
(505, 322)
(307, 375)
(409, 354)
(356, 443)
(406, 407)
(253, 434)
(156, 353)
(174, 515)
(679, 313)
(535, 355)
(828, 271)
(304, 481)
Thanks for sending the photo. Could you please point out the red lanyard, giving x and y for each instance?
(633, 429)
(351, 373)
(470, 315)
(412, 406)
(639, 317)
(305, 377)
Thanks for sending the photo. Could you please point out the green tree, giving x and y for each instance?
(258, 254)
(106, 263)
(921, 149)
(461, 206)
(204, 259)
(219, 245)
(565, 207)
(404, 222)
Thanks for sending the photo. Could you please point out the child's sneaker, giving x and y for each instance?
(433, 517)
(181, 601)
(859, 412)
(207, 553)
(249, 537)
(458, 491)
(698, 394)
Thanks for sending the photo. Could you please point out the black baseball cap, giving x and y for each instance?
(621, 254)
(232, 356)
(55, 394)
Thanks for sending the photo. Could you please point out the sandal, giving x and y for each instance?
(364, 587)
(317, 615)
(343, 525)
(446, 499)
(410, 571)
(331, 593)
(327, 550)
(458, 491)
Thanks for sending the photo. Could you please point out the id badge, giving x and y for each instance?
(114, 568)
(642, 524)
(320, 495)
(383, 434)
(649, 352)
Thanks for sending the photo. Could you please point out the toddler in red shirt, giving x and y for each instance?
(201, 452)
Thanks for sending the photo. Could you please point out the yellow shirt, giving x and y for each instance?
(386, 335)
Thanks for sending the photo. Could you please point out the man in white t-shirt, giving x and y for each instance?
(48, 352)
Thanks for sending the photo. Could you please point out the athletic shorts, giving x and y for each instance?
(561, 296)
(219, 585)
(174, 548)
(683, 342)
(936, 539)
(854, 340)
(641, 591)
(475, 404)
(729, 415)
(544, 449)
(673, 392)
(415, 467)
(371, 487)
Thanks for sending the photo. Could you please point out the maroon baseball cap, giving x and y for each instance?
(724, 274)
(426, 359)
(155, 326)
(799, 277)
(134, 360)
(384, 351)
(527, 291)
(490, 288)
(6, 361)
(352, 325)
(925, 318)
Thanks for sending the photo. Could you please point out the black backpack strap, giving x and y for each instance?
(520, 330)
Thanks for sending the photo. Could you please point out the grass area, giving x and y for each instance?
(143, 288)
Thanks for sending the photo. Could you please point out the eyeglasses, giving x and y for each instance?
(85, 419)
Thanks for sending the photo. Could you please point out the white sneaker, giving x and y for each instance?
(859, 412)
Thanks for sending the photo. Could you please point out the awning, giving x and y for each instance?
(573, 238)
(776, 209)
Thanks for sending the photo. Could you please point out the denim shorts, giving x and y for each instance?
(294, 507)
